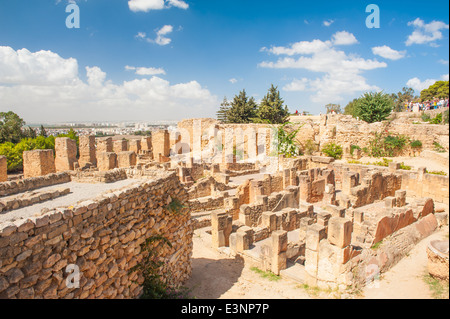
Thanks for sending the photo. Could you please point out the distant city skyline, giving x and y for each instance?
(165, 60)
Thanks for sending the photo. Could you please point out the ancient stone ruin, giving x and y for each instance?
(308, 218)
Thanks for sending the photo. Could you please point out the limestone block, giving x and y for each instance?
(221, 227)
(390, 202)
(3, 169)
(314, 234)
(305, 222)
(120, 146)
(279, 241)
(38, 163)
(135, 146)
(323, 218)
(340, 231)
(244, 238)
(66, 154)
(87, 150)
(161, 143)
(400, 198)
(105, 145)
(126, 159)
(269, 220)
(106, 161)
(146, 144)
(349, 180)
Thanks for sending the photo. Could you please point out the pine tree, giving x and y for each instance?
(271, 108)
(222, 112)
(43, 132)
(242, 109)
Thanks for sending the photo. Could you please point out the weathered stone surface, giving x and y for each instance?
(340, 231)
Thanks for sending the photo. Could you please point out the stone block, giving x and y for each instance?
(3, 169)
(134, 146)
(314, 234)
(161, 143)
(106, 161)
(221, 227)
(340, 231)
(400, 198)
(269, 220)
(279, 241)
(390, 202)
(38, 163)
(66, 154)
(305, 222)
(105, 145)
(120, 146)
(126, 159)
(87, 151)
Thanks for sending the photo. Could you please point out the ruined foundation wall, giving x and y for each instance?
(103, 238)
(28, 184)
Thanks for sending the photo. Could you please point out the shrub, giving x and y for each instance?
(437, 119)
(416, 144)
(438, 147)
(446, 115)
(353, 148)
(386, 146)
(333, 150)
(426, 117)
(310, 147)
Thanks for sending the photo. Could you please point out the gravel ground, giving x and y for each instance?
(78, 192)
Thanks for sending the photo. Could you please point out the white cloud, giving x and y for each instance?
(344, 38)
(419, 85)
(341, 71)
(426, 33)
(147, 5)
(160, 39)
(297, 85)
(327, 23)
(24, 67)
(46, 87)
(145, 71)
(388, 53)
(444, 62)
(179, 4)
(233, 80)
(160, 35)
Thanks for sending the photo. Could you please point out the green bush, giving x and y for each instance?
(437, 119)
(353, 148)
(416, 144)
(446, 115)
(385, 146)
(14, 153)
(426, 117)
(333, 150)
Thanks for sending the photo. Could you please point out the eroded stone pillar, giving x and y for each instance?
(3, 169)
(120, 146)
(221, 227)
(279, 240)
(106, 161)
(38, 163)
(87, 151)
(126, 159)
(161, 144)
(66, 154)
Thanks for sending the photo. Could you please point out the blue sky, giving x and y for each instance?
(171, 59)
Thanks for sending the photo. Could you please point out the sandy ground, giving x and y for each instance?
(218, 276)
(415, 162)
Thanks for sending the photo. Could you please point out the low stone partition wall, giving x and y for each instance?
(117, 174)
(99, 240)
(30, 198)
(207, 203)
(28, 184)
(420, 184)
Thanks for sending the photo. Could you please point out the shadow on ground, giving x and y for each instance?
(212, 278)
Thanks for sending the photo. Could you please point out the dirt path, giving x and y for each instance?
(218, 276)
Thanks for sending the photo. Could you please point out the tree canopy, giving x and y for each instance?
(438, 90)
(373, 107)
(11, 127)
(272, 108)
(242, 109)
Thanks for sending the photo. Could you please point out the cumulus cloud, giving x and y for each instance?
(46, 87)
(145, 71)
(147, 5)
(233, 80)
(426, 32)
(419, 85)
(388, 53)
(344, 38)
(342, 72)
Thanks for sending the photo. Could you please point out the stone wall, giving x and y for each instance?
(28, 184)
(102, 237)
(87, 151)
(66, 154)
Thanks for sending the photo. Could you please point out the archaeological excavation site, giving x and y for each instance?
(82, 220)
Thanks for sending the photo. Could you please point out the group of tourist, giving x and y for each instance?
(427, 105)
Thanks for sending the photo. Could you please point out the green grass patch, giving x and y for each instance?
(266, 274)
(439, 288)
